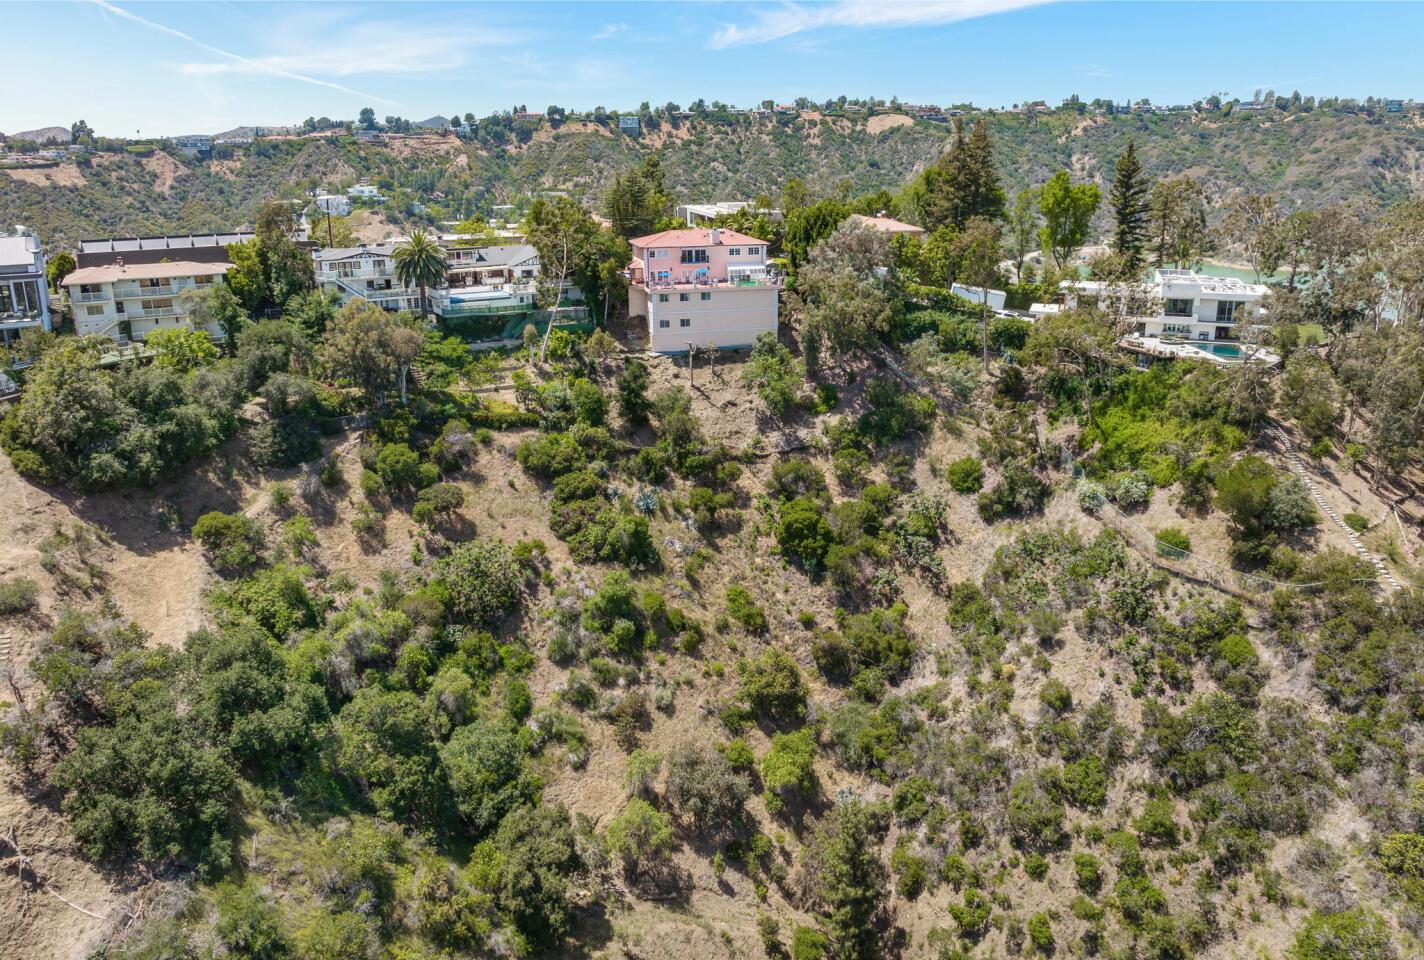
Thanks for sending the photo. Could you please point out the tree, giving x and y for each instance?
(181, 350)
(1177, 208)
(420, 263)
(287, 268)
(640, 836)
(848, 884)
(637, 199)
(774, 373)
(371, 347)
(67, 409)
(1067, 210)
(848, 294)
(1254, 222)
(533, 859)
(367, 118)
(1023, 229)
(807, 226)
(977, 252)
(483, 579)
(216, 308)
(58, 267)
(1078, 340)
(963, 183)
(1129, 202)
(632, 384)
(488, 774)
(384, 744)
(565, 236)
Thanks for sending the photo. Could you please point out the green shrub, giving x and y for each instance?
(786, 770)
(1040, 933)
(1087, 872)
(744, 610)
(639, 835)
(966, 475)
(483, 579)
(18, 594)
(772, 687)
(1358, 934)
(437, 501)
(231, 540)
(1356, 522)
(807, 943)
(1172, 542)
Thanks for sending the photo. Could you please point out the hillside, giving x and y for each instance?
(1311, 158)
(962, 734)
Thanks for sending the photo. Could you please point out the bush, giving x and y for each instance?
(1358, 934)
(231, 540)
(1131, 489)
(1091, 495)
(18, 594)
(786, 770)
(966, 475)
(1172, 542)
(1021, 491)
(248, 925)
(791, 479)
(483, 579)
(744, 610)
(487, 771)
(550, 455)
(807, 943)
(1087, 872)
(704, 789)
(639, 835)
(772, 687)
(803, 533)
(1356, 522)
(438, 501)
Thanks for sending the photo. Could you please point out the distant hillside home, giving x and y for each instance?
(194, 145)
(702, 214)
(334, 204)
(997, 298)
(702, 288)
(128, 301)
(24, 290)
(364, 191)
(887, 225)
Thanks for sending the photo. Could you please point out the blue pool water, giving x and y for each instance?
(1220, 349)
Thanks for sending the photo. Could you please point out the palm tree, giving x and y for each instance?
(420, 263)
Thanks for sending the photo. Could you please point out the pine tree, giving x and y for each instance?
(963, 183)
(1130, 207)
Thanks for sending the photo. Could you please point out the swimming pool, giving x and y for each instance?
(1228, 350)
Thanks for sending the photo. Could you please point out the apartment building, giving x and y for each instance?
(702, 288)
(24, 289)
(128, 301)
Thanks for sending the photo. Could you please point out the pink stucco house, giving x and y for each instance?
(702, 288)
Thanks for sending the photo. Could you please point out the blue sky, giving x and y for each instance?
(167, 68)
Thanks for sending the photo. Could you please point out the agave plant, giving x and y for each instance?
(646, 501)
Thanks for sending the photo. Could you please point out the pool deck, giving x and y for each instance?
(1196, 350)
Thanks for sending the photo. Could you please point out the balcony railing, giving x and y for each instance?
(161, 313)
(129, 293)
(89, 297)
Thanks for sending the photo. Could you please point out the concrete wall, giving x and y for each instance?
(730, 317)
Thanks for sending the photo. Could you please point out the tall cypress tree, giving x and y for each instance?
(1129, 203)
(963, 183)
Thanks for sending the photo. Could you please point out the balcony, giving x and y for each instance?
(131, 293)
(161, 313)
(90, 297)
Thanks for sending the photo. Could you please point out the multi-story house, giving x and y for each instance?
(1182, 313)
(128, 301)
(702, 288)
(24, 289)
(365, 191)
(478, 280)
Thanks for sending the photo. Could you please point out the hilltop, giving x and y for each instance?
(1312, 159)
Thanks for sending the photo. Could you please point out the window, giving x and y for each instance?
(1226, 311)
(664, 324)
(754, 251)
(706, 296)
(662, 298)
(1178, 308)
(684, 297)
(94, 310)
(694, 256)
(735, 251)
(684, 322)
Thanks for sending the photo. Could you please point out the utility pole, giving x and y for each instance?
(690, 358)
(329, 241)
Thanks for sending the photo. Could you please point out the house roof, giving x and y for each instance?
(17, 252)
(502, 255)
(885, 224)
(181, 242)
(368, 250)
(145, 271)
(694, 238)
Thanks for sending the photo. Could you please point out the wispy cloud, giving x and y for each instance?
(1100, 73)
(609, 31)
(370, 48)
(255, 66)
(776, 23)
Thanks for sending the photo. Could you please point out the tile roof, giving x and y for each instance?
(694, 238)
(885, 224)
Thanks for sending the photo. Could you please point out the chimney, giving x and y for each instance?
(119, 262)
(716, 236)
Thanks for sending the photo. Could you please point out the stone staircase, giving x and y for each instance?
(5, 645)
(1386, 579)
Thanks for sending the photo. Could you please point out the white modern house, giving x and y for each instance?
(364, 191)
(334, 204)
(997, 298)
(1182, 313)
(701, 214)
(130, 301)
(24, 289)
(478, 280)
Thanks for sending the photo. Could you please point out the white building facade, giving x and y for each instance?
(128, 302)
(1182, 304)
(24, 288)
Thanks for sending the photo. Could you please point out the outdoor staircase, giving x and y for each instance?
(5, 642)
(1386, 578)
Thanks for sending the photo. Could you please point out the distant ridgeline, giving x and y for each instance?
(1311, 158)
